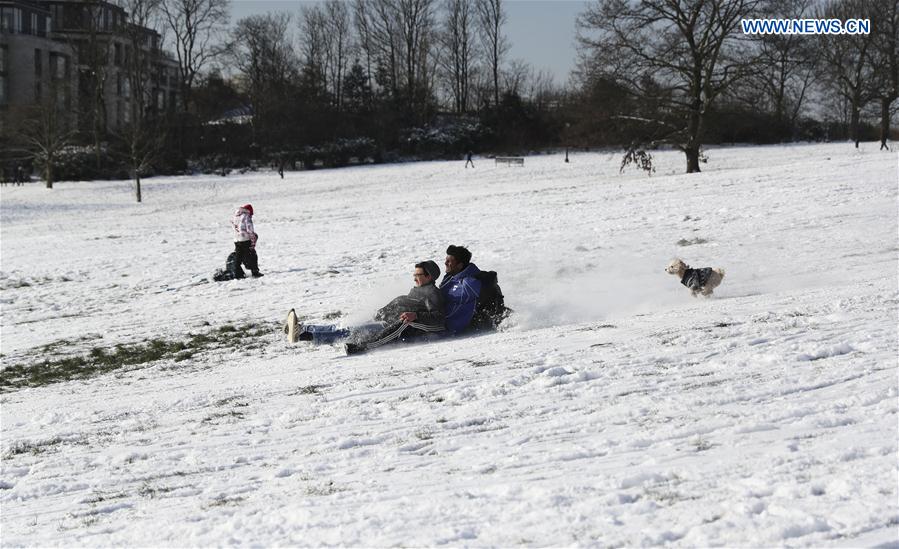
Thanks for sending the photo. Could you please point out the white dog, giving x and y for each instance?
(700, 281)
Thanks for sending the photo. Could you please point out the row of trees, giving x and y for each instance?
(373, 67)
(376, 78)
(669, 68)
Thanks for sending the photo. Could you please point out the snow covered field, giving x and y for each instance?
(613, 410)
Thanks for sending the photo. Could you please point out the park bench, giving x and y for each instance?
(510, 160)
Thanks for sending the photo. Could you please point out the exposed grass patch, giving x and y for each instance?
(222, 501)
(101, 360)
(148, 491)
(13, 283)
(324, 489)
(99, 497)
(230, 416)
(229, 400)
(39, 447)
(56, 346)
(307, 390)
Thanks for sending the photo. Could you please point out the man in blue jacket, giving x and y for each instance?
(460, 289)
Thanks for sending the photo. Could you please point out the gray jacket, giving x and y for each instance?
(696, 278)
(425, 301)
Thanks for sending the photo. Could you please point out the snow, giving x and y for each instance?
(613, 410)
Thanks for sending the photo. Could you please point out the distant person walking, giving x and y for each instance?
(468, 160)
(245, 242)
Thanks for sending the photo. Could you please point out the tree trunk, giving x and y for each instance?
(691, 149)
(48, 172)
(137, 185)
(884, 122)
(853, 124)
(692, 152)
(496, 84)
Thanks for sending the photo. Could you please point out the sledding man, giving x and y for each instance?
(460, 288)
(418, 314)
(474, 300)
(245, 242)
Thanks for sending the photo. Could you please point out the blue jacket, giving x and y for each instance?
(460, 293)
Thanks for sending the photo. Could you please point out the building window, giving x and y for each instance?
(56, 16)
(33, 29)
(58, 66)
(4, 81)
(38, 90)
(5, 19)
(38, 63)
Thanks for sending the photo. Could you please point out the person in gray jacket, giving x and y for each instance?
(419, 313)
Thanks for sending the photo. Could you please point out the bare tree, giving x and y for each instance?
(676, 55)
(516, 77)
(458, 52)
(93, 62)
(397, 37)
(491, 18)
(197, 28)
(787, 65)
(326, 44)
(847, 62)
(47, 128)
(337, 17)
(315, 44)
(885, 60)
(142, 135)
(542, 90)
(366, 40)
(264, 56)
(415, 19)
(377, 23)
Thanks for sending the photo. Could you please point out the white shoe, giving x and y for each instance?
(292, 327)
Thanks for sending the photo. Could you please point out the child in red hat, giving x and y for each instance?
(245, 242)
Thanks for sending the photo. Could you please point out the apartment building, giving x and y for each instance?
(32, 64)
(78, 51)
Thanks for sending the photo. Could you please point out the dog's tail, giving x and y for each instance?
(720, 272)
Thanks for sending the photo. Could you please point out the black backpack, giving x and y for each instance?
(491, 309)
(231, 271)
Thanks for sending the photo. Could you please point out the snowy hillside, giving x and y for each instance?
(612, 410)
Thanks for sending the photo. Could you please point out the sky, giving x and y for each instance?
(540, 32)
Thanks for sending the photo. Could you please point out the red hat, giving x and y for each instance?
(248, 207)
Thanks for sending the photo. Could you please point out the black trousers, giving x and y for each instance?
(246, 256)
